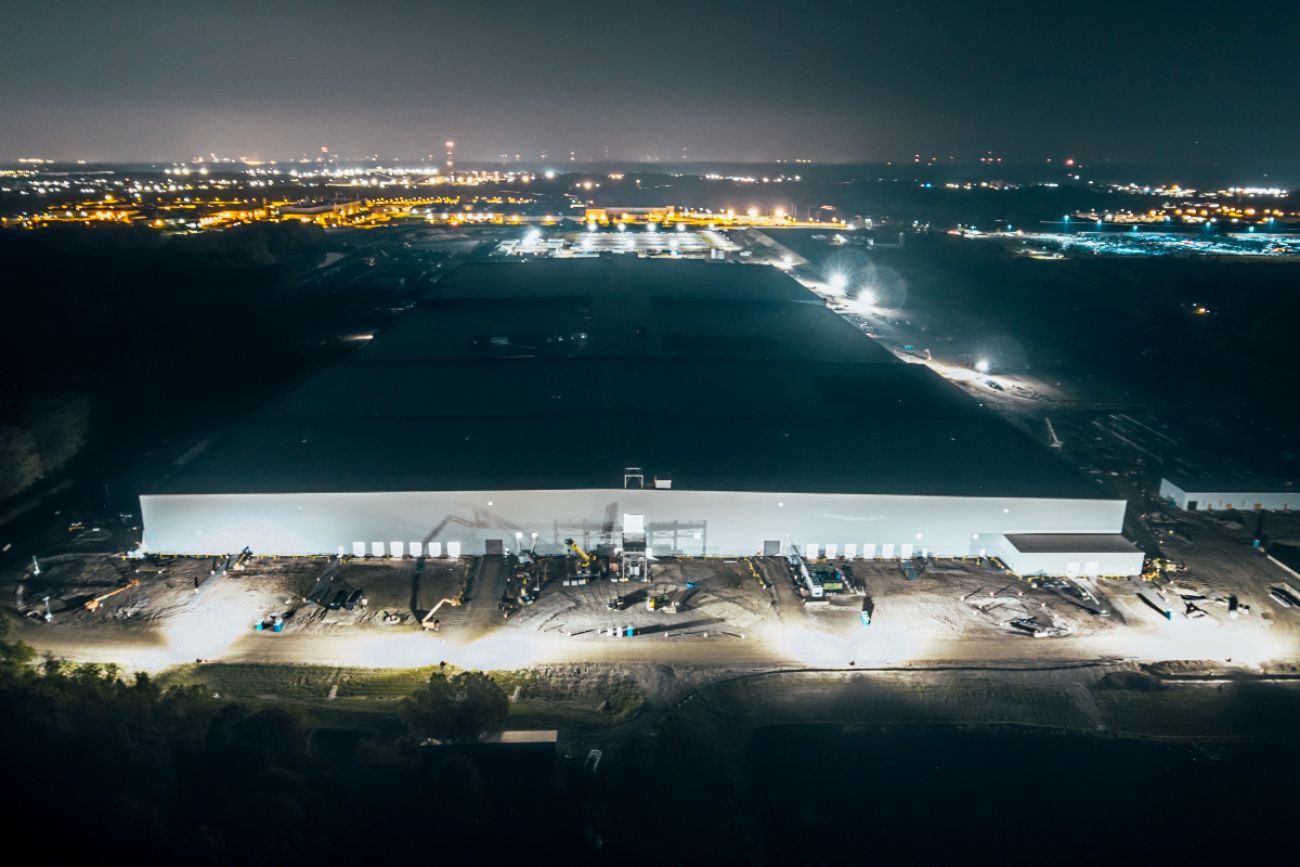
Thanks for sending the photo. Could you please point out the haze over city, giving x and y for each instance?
(1173, 84)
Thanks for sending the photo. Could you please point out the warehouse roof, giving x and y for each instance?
(1071, 543)
(1231, 485)
(557, 374)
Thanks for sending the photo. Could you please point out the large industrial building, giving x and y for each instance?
(722, 406)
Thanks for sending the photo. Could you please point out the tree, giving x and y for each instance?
(463, 708)
(15, 656)
(20, 461)
(58, 424)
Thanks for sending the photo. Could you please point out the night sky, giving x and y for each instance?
(1171, 83)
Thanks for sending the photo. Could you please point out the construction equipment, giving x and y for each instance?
(242, 560)
(1159, 567)
(94, 604)
(428, 621)
(588, 565)
(830, 578)
(799, 568)
(635, 566)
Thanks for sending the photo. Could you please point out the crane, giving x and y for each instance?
(93, 604)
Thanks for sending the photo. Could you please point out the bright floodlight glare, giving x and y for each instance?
(839, 282)
(982, 366)
(868, 298)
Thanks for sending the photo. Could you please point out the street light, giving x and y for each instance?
(982, 366)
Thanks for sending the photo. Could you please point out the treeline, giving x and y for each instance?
(97, 764)
(46, 433)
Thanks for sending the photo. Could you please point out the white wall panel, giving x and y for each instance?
(737, 523)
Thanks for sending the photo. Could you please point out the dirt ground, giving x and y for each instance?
(950, 600)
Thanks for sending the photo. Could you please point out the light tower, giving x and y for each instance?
(451, 157)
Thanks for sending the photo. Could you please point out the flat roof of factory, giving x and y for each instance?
(1071, 543)
(558, 374)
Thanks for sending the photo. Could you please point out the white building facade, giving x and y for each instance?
(1195, 496)
(677, 522)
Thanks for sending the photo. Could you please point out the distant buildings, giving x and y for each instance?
(1249, 495)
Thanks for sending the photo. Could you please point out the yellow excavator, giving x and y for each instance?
(93, 604)
(587, 563)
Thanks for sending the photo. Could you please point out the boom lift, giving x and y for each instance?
(430, 619)
(93, 604)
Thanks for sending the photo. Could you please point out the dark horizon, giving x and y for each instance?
(1185, 84)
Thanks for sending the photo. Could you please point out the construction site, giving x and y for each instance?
(704, 529)
(704, 409)
(621, 458)
(613, 602)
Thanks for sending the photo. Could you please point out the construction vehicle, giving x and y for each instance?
(588, 565)
(429, 619)
(94, 604)
(802, 576)
(830, 578)
(1159, 567)
(658, 602)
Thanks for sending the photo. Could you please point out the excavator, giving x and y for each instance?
(588, 564)
(94, 604)
(1160, 567)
